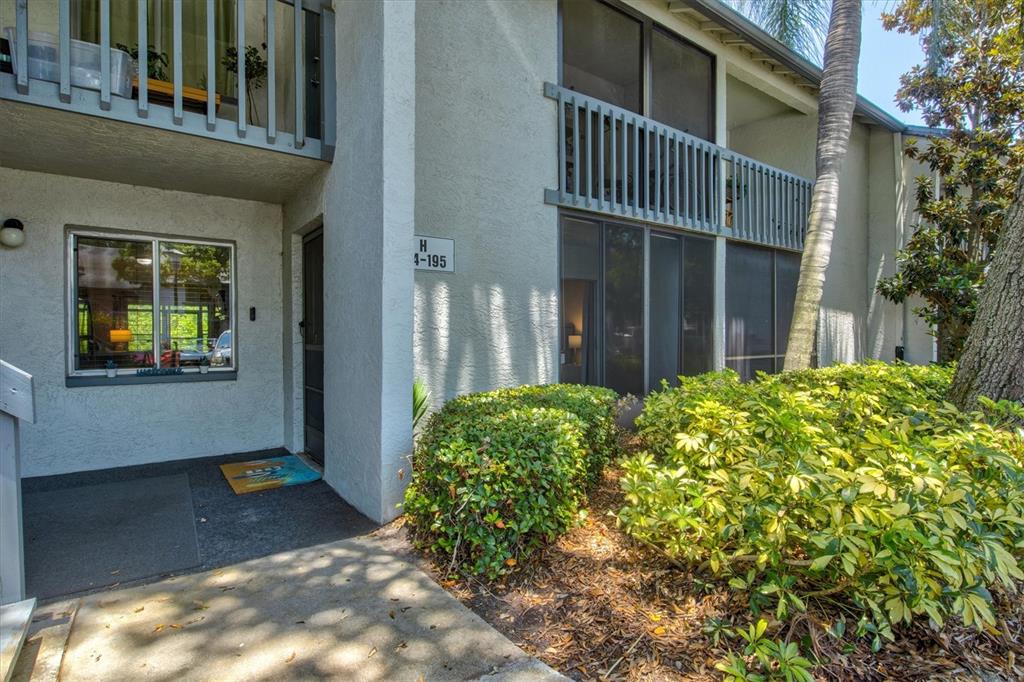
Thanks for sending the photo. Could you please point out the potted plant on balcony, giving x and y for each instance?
(204, 365)
(255, 75)
(159, 85)
(111, 369)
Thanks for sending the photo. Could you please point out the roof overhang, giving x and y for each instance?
(732, 28)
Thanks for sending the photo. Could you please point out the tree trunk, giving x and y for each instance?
(950, 338)
(992, 362)
(836, 102)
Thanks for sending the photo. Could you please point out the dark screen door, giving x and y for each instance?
(312, 327)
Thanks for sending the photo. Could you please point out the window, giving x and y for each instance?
(602, 53)
(760, 287)
(619, 333)
(682, 85)
(144, 303)
(614, 56)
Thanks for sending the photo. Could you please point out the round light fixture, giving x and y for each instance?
(12, 234)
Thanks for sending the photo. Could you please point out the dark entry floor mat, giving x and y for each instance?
(92, 536)
(230, 528)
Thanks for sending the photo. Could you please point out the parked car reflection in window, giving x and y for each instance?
(221, 354)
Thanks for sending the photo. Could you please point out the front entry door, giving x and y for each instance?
(312, 327)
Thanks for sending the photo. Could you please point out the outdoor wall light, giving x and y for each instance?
(12, 234)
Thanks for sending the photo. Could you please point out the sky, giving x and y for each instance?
(884, 57)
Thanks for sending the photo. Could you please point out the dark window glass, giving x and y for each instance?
(601, 53)
(748, 302)
(681, 85)
(760, 291)
(114, 282)
(623, 309)
(787, 273)
(749, 367)
(665, 309)
(698, 305)
(581, 268)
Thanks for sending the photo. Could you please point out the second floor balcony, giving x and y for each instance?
(234, 97)
(614, 161)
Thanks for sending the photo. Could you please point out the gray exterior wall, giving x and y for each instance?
(85, 428)
(486, 142)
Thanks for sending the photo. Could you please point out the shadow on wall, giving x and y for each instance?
(350, 611)
(495, 341)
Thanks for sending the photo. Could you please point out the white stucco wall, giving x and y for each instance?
(486, 141)
(364, 203)
(106, 426)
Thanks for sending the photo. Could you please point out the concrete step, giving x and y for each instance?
(14, 622)
(47, 640)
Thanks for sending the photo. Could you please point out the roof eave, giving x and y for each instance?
(732, 20)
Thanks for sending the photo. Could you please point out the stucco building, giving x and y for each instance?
(478, 194)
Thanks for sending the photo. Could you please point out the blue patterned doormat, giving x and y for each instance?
(264, 474)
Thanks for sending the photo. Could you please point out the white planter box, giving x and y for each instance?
(44, 62)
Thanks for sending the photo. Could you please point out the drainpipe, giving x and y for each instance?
(901, 217)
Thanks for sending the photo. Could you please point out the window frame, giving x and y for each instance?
(648, 26)
(71, 236)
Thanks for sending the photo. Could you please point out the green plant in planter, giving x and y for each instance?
(156, 62)
(255, 74)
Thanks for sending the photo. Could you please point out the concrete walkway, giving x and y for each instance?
(348, 610)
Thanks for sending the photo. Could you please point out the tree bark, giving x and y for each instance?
(992, 362)
(836, 102)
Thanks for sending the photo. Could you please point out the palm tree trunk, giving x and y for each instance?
(992, 363)
(836, 101)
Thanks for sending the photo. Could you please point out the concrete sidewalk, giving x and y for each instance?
(348, 610)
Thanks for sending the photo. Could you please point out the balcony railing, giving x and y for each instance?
(613, 161)
(98, 79)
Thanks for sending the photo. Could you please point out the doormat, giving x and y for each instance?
(264, 474)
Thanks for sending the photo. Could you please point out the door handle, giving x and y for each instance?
(302, 328)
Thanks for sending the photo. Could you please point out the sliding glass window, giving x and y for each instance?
(682, 85)
(144, 303)
(602, 53)
(614, 332)
(682, 304)
(624, 58)
(760, 287)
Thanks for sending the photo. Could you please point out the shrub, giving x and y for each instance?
(855, 483)
(497, 475)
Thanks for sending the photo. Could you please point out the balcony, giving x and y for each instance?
(618, 163)
(203, 119)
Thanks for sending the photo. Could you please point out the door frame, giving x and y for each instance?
(315, 233)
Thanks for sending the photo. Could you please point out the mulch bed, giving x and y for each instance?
(598, 606)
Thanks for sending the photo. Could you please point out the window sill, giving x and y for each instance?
(129, 379)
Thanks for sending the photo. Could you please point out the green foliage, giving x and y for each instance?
(973, 86)
(853, 484)
(255, 64)
(420, 401)
(156, 62)
(800, 25)
(774, 660)
(497, 475)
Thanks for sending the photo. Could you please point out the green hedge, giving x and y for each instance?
(855, 483)
(498, 474)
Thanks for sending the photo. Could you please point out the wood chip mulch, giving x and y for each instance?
(598, 606)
